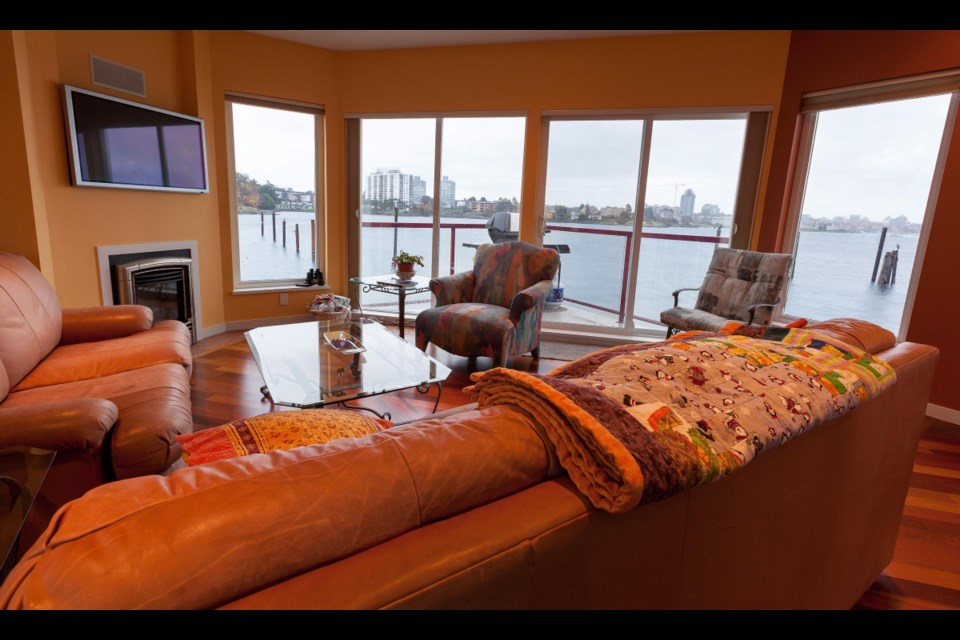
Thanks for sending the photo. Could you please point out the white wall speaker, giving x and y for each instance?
(118, 76)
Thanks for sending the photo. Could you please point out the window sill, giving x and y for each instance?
(279, 288)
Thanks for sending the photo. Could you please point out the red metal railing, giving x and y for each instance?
(626, 235)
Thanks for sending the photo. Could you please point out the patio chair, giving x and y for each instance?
(740, 285)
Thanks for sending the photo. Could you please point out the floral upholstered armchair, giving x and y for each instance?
(494, 310)
(740, 285)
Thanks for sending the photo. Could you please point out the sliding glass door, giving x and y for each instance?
(429, 186)
(681, 175)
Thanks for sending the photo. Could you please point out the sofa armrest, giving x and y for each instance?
(61, 425)
(90, 324)
(529, 298)
(453, 289)
(858, 333)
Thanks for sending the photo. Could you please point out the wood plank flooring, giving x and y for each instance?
(924, 573)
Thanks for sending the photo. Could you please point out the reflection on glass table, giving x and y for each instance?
(22, 471)
(302, 369)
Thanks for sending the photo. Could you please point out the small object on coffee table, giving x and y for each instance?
(344, 342)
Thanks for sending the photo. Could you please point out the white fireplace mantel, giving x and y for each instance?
(106, 288)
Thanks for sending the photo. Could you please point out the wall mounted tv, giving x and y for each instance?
(126, 145)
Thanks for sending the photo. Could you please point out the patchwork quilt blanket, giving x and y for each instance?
(638, 423)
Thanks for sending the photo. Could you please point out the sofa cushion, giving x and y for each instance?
(167, 342)
(468, 327)
(685, 319)
(30, 316)
(154, 405)
(279, 431)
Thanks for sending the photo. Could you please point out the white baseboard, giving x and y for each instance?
(243, 325)
(946, 414)
(206, 332)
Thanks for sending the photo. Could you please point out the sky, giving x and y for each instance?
(875, 161)
(275, 145)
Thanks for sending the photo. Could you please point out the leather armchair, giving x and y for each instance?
(104, 387)
(495, 310)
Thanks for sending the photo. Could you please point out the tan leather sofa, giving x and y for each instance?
(470, 509)
(104, 387)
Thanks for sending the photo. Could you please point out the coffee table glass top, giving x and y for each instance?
(301, 369)
(22, 471)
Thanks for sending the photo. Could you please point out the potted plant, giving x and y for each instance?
(403, 264)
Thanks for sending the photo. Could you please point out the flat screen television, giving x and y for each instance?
(126, 145)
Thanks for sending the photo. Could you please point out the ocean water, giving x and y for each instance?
(831, 278)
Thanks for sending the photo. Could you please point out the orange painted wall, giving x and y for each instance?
(252, 64)
(82, 218)
(190, 72)
(709, 69)
(18, 230)
(830, 59)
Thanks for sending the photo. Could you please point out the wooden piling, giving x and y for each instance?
(888, 273)
(284, 232)
(876, 263)
(273, 215)
(261, 224)
(296, 236)
(313, 239)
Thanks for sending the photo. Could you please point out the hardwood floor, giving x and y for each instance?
(924, 573)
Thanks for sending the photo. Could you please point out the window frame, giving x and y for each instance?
(318, 112)
(756, 128)
(354, 122)
(864, 95)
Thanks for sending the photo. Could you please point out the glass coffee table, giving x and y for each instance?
(22, 472)
(302, 366)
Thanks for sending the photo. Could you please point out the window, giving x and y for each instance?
(276, 161)
(428, 186)
(865, 189)
(681, 173)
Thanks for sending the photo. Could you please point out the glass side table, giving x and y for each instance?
(389, 283)
(22, 472)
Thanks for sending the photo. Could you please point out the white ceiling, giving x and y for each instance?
(359, 40)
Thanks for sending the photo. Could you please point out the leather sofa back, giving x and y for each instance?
(30, 317)
(235, 526)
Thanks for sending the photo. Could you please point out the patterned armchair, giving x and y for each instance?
(740, 285)
(494, 310)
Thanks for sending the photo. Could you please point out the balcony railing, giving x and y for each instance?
(627, 235)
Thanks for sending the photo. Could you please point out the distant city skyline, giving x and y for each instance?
(875, 161)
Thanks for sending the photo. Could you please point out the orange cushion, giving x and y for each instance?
(276, 431)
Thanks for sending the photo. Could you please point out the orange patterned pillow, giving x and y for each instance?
(276, 431)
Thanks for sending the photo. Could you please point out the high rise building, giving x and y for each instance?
(418, 189)
(686, 202)
(392, 184)
(448, 193)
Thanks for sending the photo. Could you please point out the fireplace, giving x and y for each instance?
(163, 284)
(161, 276)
